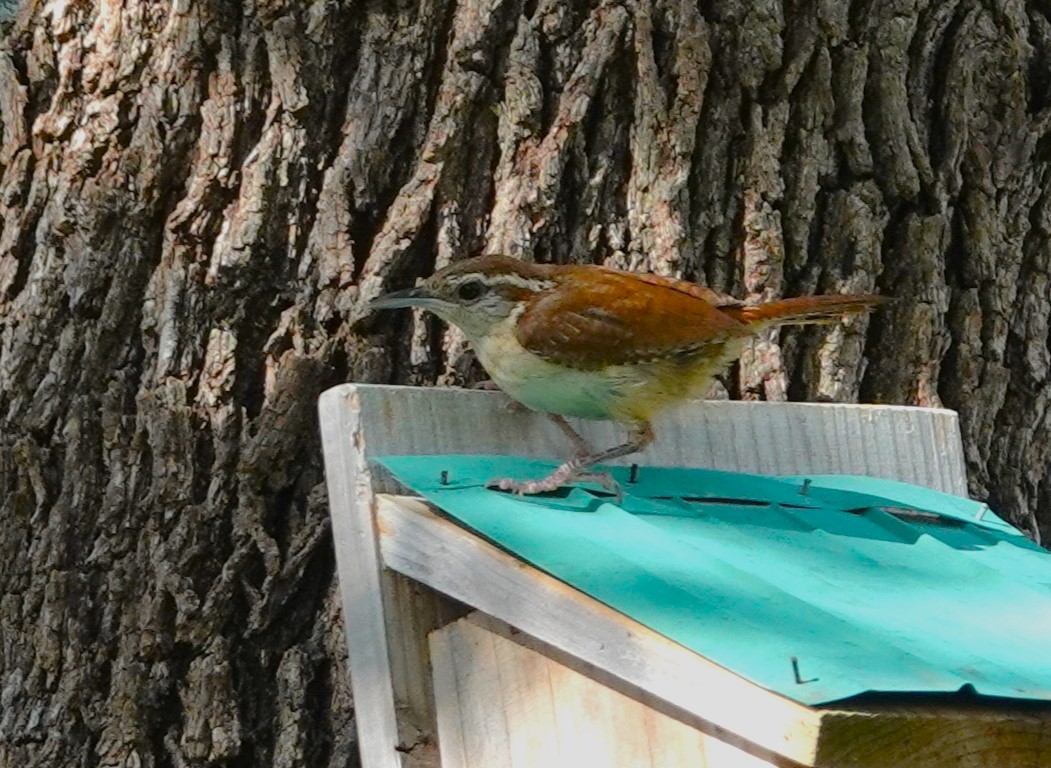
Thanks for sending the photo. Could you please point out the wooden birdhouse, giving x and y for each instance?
(780, 585)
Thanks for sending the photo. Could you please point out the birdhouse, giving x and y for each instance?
(779, 584)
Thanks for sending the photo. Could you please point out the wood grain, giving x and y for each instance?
(517, 708)
(946, 735)
(916, 445)
(358, 566)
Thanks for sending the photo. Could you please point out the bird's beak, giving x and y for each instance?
(411, 297)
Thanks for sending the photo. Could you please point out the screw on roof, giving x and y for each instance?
(795, 669)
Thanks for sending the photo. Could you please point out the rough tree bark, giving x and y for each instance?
(199, 198)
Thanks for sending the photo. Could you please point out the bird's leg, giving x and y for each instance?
(577, 467)
(580, 446)
(582, 450)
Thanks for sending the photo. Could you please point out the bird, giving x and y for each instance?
(593, 342)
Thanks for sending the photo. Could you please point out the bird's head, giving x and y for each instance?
(475, 294)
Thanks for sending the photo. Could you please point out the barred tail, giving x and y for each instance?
(804, 310)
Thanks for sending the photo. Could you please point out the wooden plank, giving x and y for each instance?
(412, 611)
(486, 731)
(583, 719)
(513, 707)
(449, 719)
(946, 735)
(723, 748)
(916, 445)
(416, 542)
(529, 696)
(357, 562)
(392, 615)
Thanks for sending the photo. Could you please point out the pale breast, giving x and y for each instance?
(634, 392)
(541, 385)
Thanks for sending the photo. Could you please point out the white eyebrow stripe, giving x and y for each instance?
(508, 278)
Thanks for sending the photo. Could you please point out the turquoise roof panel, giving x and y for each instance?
(820, 588)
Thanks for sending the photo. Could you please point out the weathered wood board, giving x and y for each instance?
(914, 445)
(504, 705)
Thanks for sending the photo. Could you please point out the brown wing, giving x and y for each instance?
(714, 298)
(598, 317)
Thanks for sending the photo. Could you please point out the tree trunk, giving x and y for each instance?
(199, 199)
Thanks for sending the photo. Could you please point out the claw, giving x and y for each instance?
(524, 487)
(557, 480)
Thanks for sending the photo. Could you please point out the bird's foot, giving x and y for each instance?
(577, 467)
(523, 487)
(552, 482)
(571, 471)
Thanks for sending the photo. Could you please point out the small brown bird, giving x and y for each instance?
(600, 343)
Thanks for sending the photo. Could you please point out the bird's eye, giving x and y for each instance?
(469, 291)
